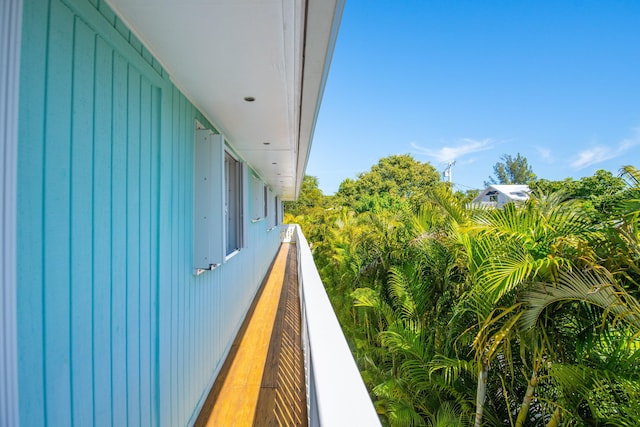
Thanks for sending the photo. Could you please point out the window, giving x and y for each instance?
(220, 205)
(233, 203)
(265, 200)
(278, 211)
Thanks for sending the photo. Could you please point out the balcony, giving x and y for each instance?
(290, 363)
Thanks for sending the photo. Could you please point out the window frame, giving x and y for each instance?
(220, 201)
(265, 200)
(233, 204)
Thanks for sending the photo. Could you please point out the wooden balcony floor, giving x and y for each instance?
(262, 381)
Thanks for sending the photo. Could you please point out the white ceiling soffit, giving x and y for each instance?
(219, 52)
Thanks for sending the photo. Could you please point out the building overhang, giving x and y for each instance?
(255, 68)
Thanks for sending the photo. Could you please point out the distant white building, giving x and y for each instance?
(499, 195)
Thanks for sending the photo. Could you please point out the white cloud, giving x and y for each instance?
(599, 153)
(448, 154)
(593, 156)
(545, 153)
(469, 161)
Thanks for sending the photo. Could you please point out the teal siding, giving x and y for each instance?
(113, 327)
(11, 29)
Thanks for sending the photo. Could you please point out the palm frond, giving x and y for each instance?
(612, 399)
(451, 368)
(404, 340)
(499, 275)
(370, 298)
(631, 175)
(449, 416)
(456, 213)
(594, 287)
(487, 342)
(395, 402)
(401, 287)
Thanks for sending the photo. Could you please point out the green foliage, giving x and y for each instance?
(511, 171)
(309, 199)
(467, 196)
(392, 179)
(599, 194)
(456, 315)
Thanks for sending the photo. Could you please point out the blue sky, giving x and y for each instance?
(556, 81)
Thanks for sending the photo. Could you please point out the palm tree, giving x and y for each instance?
(603, 380)
(508, 250)
(493, 315)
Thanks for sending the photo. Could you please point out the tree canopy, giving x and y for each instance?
(599, 193)
(460, 316)
(310, 198)
(511, 171)
(392, 179)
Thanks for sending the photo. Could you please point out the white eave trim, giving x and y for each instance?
(317, 61)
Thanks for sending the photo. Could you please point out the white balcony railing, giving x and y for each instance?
(336, 394)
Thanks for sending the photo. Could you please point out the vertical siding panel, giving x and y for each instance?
(184, 283)
(207, 336)
(155, 152)
(203, 372)
(102, 234)
(180, 281)
(218, 317)
(200, 369)
(195, 374)
(179, 284)
(10, 30)
(210, 338)
(81, 225)
(216, 326)
(189, 288)
(133, 250)
(30, 250)
(56, 218)
(175, 224)
(119, 244)
(192, 287)
(145, 252)
(183, 286)
(175, 229)
(199, 288)
(164, 313)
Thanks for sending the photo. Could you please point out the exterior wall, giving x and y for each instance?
(113, 327)
(500, 200)
(10, 30)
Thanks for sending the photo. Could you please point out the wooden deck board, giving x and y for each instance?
(262, 381)
(282, 400)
